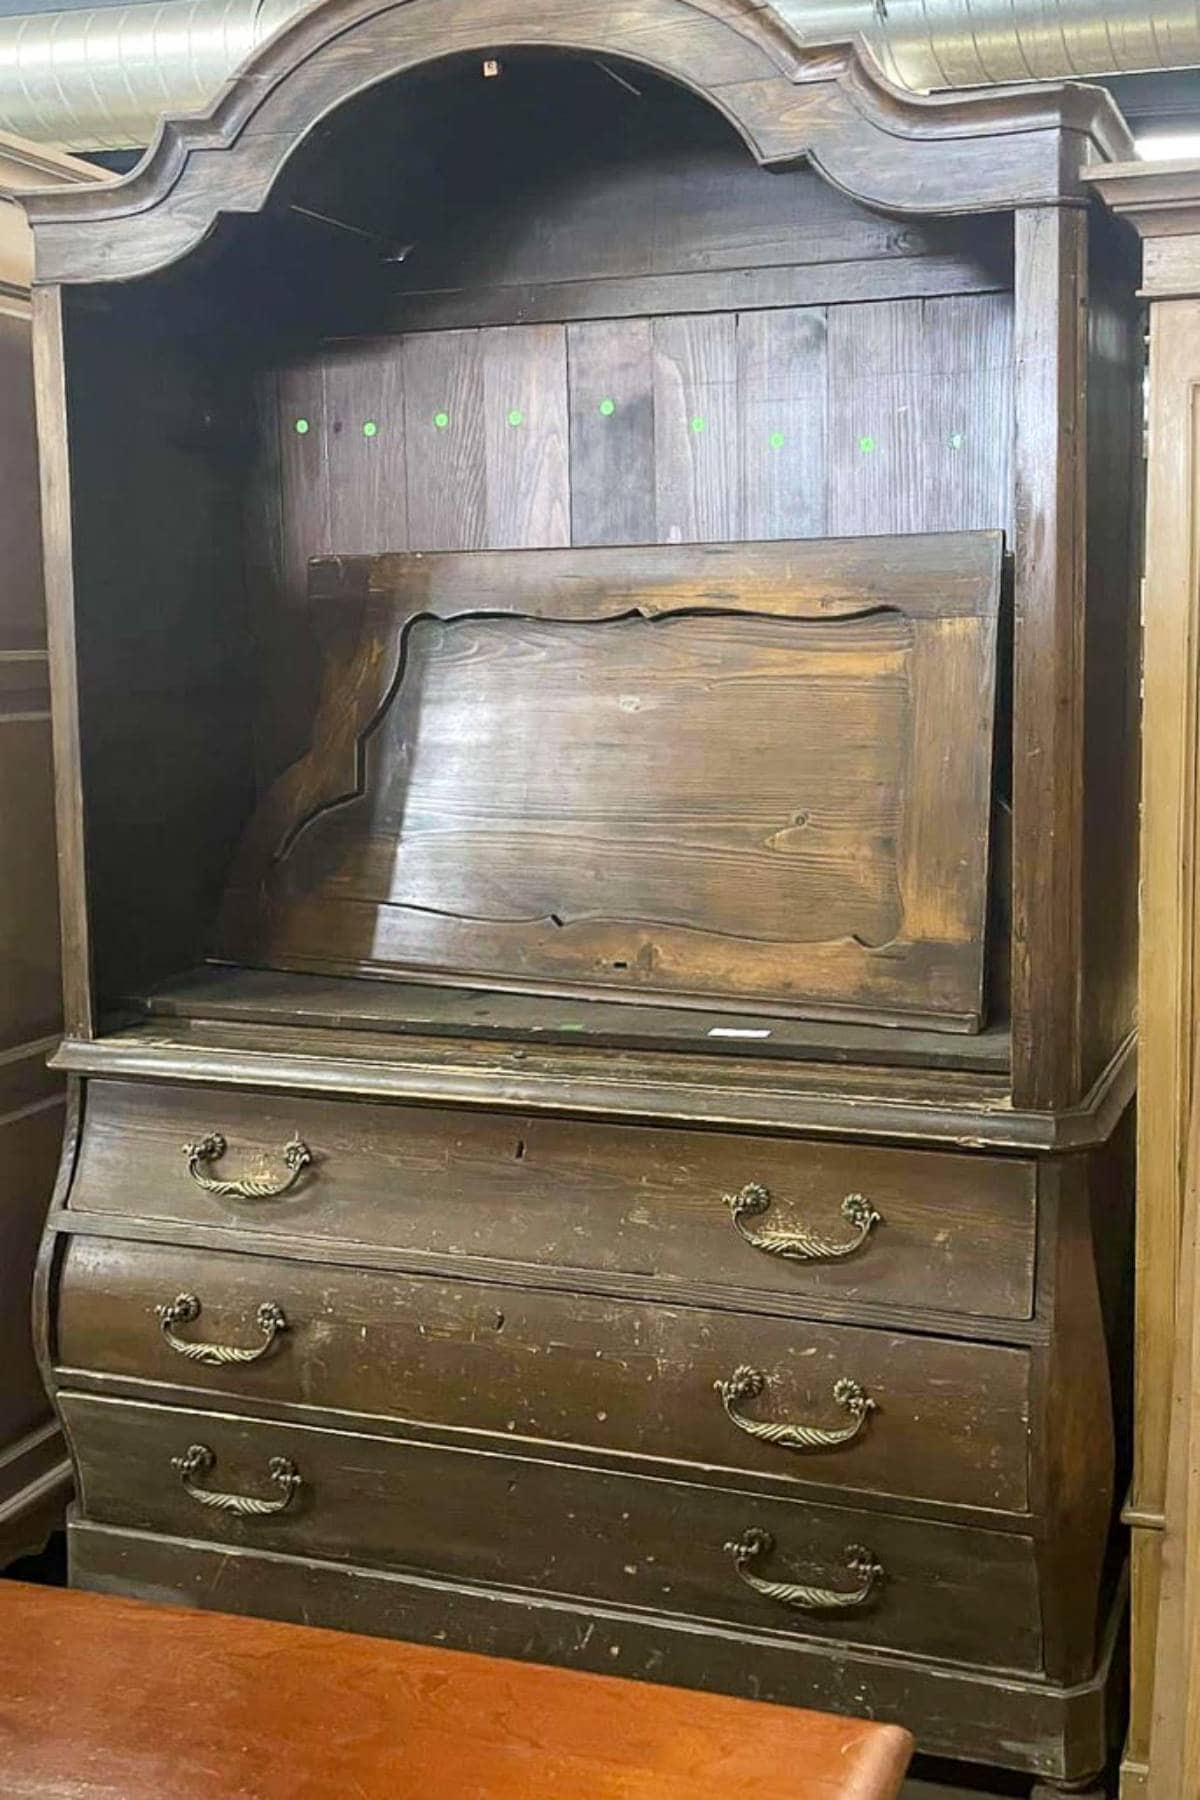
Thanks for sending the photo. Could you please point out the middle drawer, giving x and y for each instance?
(863, 1408)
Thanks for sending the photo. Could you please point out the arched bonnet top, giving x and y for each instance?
(907, 154)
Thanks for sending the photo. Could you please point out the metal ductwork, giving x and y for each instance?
(99, 78)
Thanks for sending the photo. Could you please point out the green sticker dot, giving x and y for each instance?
(608, 408)
(441, 420)
(516, 416)
(956, 440)
(866, 445)
(776, 440)
(370, 428)
(697, 426)
(301, 426)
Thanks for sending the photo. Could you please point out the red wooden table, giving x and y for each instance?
(111, 1699)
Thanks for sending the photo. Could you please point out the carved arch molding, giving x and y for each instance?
(830, 104)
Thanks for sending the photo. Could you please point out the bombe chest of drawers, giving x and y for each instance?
(596, 742)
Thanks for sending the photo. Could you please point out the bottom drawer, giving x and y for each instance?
(1021, 1721)
(945, 1591)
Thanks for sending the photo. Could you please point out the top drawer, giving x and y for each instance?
(844, 1222)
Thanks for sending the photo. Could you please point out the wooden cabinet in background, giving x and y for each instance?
(34, 1472)
(1162, 201)
(597, 772)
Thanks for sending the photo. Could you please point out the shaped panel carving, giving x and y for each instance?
(740, 773)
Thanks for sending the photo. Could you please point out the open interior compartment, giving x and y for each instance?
(517, 330)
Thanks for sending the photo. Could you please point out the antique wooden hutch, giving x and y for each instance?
(592, 555)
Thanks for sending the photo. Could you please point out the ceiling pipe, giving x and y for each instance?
(100, 78)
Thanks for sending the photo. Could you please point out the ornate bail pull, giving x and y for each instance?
(755, 1543)
(796, 1243)
(747, 1384)
(198, 1459)
(185, 1309)
(212, 1147)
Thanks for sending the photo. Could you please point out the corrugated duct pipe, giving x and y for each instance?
(100, 78)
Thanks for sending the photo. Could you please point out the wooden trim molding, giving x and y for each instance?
(970, 1114)
(829, 103)
(49, 384)
(23, 166)
(1048, 674)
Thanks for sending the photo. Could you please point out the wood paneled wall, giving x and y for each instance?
(795, 422)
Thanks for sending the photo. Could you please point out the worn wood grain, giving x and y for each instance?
(920, 415)
(525, 435)
(948, 1421)
(1160, 202)
(267, 996)
(55, 473)
(696, 429)
(875, 143)
(641, 1542)
(957, 1232)
(1174, 1761)
(1075, 1474)
(574, 1183)
(446, 469)
(288, 1711)
(838, 865)
(304, 439)
(959, 1108)
(1050, 462)
(612, 432)
(1030, 1722)
(364, 409)
(782, 376)
(1112, 656)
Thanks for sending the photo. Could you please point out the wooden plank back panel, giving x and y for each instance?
(304, 438)
(611, 385)
(782, 381)
(920, 415)
(367, 466)
(759, 774)
(696, 429)
(525, 436)
(443, 396)
(788, 422)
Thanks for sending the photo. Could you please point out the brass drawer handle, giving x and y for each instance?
(198, 1459)
(861, 1563)
(798, 1244)
(185, 1309)
(747, 1384)
(210, 1149)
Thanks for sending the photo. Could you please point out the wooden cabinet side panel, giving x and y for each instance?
(1048, 651)
(1112, 667)
(1167, 999)
(50, 385)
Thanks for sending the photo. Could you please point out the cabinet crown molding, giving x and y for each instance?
(903, 153)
